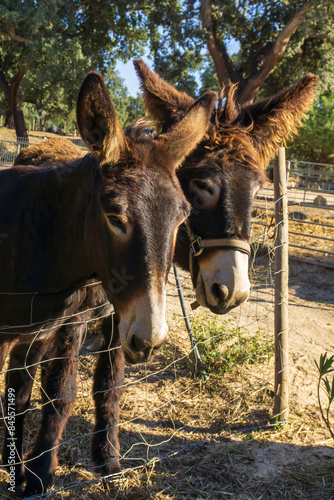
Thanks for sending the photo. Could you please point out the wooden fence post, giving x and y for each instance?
(281, 406)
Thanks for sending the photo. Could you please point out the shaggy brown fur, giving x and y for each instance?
(67, 224)
(268, 123)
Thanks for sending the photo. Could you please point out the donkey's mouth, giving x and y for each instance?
(201, 295)
(220, 309)
(134, 358)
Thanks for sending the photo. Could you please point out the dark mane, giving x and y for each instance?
(228, 140)
(231, 143)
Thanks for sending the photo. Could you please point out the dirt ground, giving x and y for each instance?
(183, 437)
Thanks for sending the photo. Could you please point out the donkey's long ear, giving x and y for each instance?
(184, 136)
(97, 120)
(165, 104)
(277, 118)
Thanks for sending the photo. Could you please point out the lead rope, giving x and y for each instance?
(197, 245)
(198, 360)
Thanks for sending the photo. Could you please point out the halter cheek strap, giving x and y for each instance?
(198, 244)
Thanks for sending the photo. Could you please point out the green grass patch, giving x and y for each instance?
(222, 346)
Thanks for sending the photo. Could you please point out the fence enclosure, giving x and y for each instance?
(153, 426)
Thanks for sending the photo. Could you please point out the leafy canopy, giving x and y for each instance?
(315, 141)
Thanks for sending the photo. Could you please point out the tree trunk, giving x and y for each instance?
(10, 89)
(43, 121)
(20, 126)
(41, 124)
(9, 120)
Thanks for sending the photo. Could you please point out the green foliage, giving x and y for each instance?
(310, 49)
(178, 69)
(55, 43)
(128, 108)
(53, 84)
(223, 346)
(176, 42)
(247, 29)
(209, 79)
(315, 140)
(135, 108)
(118, 94)
(326, 366)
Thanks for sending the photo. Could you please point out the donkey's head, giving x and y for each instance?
(220, 178)
(140, 206)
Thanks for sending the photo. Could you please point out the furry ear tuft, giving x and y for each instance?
(276, 119)
(230, 111)
(164, 103)
(184, 136)
(97, 120)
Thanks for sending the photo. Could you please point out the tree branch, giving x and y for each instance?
(4, 85)
(268, 57)
(11, 35)
(14, 36)
(15, 81)
(226, 71)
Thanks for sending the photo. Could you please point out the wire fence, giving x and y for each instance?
(175, 427)
(163, 407)
(311, 218)
(171, 418)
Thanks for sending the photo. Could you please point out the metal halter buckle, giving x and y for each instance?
(195, 246)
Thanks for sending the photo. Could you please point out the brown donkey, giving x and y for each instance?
(208, 179)
(221, 176)
(112, 214)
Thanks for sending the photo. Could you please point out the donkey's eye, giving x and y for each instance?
(203, 185)
(117, 222)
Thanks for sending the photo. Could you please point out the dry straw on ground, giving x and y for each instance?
(186, 438)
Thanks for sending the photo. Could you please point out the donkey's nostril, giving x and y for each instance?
(136, 344)
(220, 292)
(132, 344)
(141, 350)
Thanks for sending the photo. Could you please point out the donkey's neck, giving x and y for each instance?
(79, 222)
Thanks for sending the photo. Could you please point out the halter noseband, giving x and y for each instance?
(198, 244)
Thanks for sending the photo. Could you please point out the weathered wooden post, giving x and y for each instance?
(281, 406)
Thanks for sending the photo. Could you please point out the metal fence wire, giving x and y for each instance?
(163, 405)
(171, 416)
(310, 196)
